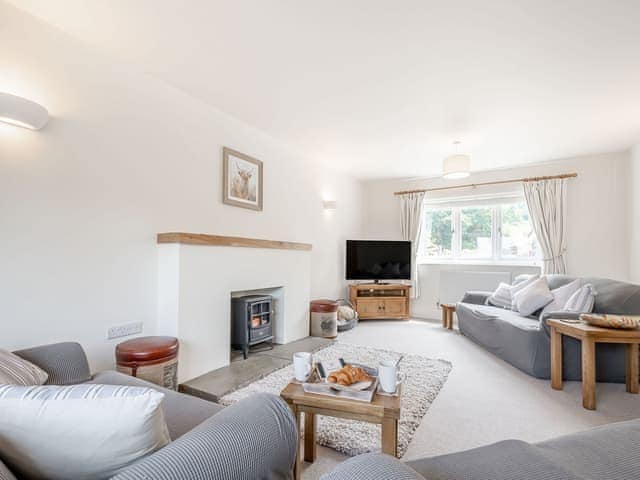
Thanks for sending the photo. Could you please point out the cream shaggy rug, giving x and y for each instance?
(425, 378)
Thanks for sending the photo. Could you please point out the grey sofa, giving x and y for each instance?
(254, 439)
(524, 342)
(611, 452)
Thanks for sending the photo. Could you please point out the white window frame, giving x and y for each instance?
(496, 232)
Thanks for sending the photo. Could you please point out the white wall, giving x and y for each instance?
(634, 215)
(200, 282)
(126, 156)
(597, 216)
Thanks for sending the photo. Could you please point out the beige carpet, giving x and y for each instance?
(484, 399)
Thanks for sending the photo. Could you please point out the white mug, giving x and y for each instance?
(302, 364)
(390, 378)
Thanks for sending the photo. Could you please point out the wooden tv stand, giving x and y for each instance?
(377, 301)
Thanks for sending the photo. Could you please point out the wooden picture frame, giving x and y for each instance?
(242, 178)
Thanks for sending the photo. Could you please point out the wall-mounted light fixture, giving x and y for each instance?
(21, 112)
(329, 204)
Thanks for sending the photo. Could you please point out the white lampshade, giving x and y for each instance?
(22, 112)
(456, 166)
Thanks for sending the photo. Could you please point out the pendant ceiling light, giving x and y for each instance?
(21, 112)
(457, 165)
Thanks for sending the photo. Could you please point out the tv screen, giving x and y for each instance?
(378, 260)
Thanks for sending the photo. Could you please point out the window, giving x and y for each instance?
(517, 239)
(438, 233)
(476, 225)
(496, 230)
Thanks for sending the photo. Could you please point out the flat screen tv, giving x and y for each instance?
(378, 260)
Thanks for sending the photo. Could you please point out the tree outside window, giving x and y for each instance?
(475, 227)
(498, 232)
(438, 234)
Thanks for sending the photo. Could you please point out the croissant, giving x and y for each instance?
(348, 375)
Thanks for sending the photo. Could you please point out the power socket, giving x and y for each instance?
(124, 330)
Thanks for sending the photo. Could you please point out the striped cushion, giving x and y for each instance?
(560, 297)
(17, 371)
(79, 431)
(582, 300)
(502, 296)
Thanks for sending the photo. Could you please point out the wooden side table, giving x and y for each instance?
(589, 336)
(448, 309)
(383, 409)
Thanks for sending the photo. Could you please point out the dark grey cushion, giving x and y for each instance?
(255, 438)
(66, 363)
(182, 412)
(508, 460)
(372, 466)
(604, 453)
(476, 297)
(5, 473)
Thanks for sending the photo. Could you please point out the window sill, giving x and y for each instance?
(489, 262)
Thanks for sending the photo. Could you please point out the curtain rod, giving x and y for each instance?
(499, 182)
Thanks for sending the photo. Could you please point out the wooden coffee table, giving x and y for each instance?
(589, 336)
(383, 409)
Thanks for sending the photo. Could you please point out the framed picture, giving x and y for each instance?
(242, 177)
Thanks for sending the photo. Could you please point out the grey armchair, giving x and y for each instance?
(254, 439)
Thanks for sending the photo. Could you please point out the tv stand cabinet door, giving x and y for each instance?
(369, 307)
(395, 307)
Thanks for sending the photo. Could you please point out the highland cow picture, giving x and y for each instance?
(242, 177)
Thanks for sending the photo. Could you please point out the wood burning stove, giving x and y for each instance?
(251, 321)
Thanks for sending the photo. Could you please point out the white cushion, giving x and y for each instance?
(17, 371)
(532, 297)
(560, 296)
(582, 300)
(503, 296)
(79, 431)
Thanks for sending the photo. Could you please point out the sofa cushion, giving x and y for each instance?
(15, 370)
(182, 412)
(503, 296)
(507, 460)
(487, 312)
(560, 297)
(532, 297)
(582, 300)
(65, 362)
(78, 431)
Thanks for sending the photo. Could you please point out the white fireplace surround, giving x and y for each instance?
(195, 285)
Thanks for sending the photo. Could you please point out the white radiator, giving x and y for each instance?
(453, 284)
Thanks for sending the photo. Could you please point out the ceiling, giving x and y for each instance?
(382, 88)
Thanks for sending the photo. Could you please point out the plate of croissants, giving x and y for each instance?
(350, 377)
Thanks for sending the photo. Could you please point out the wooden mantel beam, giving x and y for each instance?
(223, 241)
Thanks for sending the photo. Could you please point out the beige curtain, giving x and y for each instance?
(411, 216)
(547, 203)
